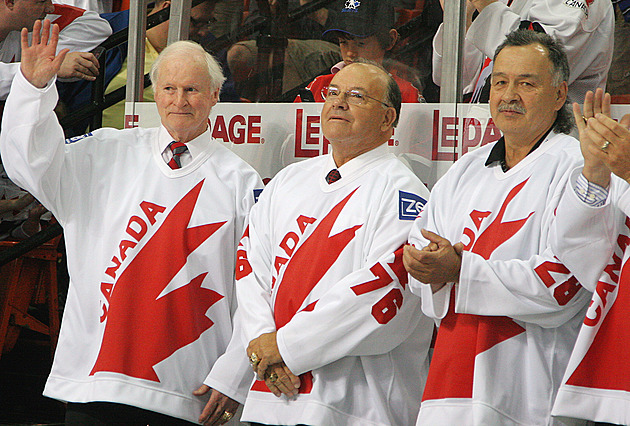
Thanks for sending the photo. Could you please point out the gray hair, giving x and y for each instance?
(560, 67)
(192, 51)
(393, 96)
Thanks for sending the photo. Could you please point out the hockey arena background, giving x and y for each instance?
(270, 136)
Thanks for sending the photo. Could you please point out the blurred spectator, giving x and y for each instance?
(20, 212)
(305, 56)
(364, 30)
(585, 27)
(228, 14)
(81, 32)
(618, 84)
(98, 6)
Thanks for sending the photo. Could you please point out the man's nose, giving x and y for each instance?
(510, 93)
(340, 102)
(181, 98)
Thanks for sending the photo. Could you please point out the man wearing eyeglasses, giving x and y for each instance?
(334, 334)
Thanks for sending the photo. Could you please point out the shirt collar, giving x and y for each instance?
(196, 146)
(497, 153)
(356, 165)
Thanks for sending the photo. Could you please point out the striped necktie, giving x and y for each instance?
(333, 176)
(177, 148)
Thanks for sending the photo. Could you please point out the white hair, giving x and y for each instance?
(191, 51)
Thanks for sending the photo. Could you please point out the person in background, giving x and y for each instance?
(585, 27)
(80, 32)
(366, 31)
(591, 238)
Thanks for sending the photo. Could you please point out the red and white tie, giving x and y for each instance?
(177, 148)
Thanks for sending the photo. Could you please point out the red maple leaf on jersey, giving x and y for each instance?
(309, 264)
(461, 337)
(145, 326)
(305, 269)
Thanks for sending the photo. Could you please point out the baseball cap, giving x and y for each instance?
(363, 18)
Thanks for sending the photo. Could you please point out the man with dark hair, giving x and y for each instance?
(508, 309)
(151, 221)
(365, 30)
(321, 286)
(585, 27)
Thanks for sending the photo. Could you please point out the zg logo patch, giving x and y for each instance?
(409, 205)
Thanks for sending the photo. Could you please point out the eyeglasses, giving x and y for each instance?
(352, 96)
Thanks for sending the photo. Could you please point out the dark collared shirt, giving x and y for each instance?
(497, 154)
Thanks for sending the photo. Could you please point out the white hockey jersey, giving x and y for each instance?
(589, 240)
(322, 264)
(585, 27)
(151, 254)
(80, 31)
(508, 327)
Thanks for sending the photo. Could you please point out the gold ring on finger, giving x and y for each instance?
(273, 377)
(605, 145)
(253, 359)
(227, 416)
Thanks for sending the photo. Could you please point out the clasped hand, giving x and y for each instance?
(269, 366)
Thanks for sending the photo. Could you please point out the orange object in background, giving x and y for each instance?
(30, 280)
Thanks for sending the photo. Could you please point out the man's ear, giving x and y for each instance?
(214, 97)
(561, 94)
(393, 39)
(388, 118)
(10, 4)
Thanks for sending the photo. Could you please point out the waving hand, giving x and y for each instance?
(39, 62)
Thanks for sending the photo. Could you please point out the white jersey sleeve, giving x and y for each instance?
(33, 151)
(253, 272)
(231, 374)
(80, 30)
(585, 232)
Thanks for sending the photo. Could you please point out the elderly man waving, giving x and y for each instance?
(151, 220)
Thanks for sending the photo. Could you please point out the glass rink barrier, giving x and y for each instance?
(270, 136)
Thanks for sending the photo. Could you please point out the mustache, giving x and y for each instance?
(512, 106)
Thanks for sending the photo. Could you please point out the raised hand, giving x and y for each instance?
(613, 140)
(39, 61)
(595, 169)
